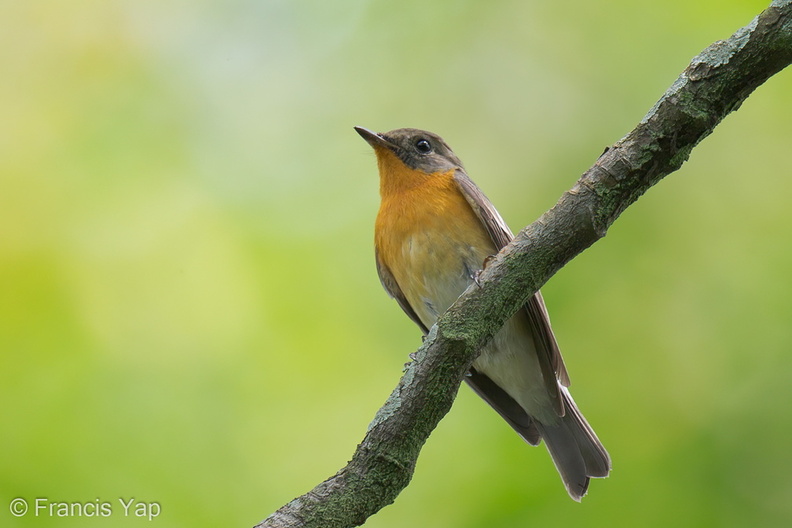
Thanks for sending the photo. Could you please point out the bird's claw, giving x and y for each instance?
(478, 273)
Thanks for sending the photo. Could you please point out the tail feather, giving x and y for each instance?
(576, 451)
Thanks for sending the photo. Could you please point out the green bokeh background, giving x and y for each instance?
(189, 310)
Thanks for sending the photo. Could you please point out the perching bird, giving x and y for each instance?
(434, 230)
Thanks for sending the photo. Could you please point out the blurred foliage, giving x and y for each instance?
(189, 311)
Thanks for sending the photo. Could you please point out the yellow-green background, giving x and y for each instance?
(189, 310)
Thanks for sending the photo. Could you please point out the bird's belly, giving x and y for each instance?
(510, 360)
(436, 270)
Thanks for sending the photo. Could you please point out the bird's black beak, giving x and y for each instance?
(374, 139)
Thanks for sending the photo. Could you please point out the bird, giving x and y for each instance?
(434, 231)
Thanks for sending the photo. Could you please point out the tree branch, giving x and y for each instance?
(715, 83)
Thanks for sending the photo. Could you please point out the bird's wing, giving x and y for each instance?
(506, 406)
(542, 329)
(392, 287)
(547, 348)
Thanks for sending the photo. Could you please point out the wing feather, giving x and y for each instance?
(392, 287)
(550, 359)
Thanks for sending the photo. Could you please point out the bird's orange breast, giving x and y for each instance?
(429, 238)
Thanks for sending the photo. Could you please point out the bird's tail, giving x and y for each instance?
(576, 451)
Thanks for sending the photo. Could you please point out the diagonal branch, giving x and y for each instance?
(715, 83)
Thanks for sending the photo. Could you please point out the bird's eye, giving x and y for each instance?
(423, 146)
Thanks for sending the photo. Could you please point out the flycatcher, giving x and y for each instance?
(434, 230)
